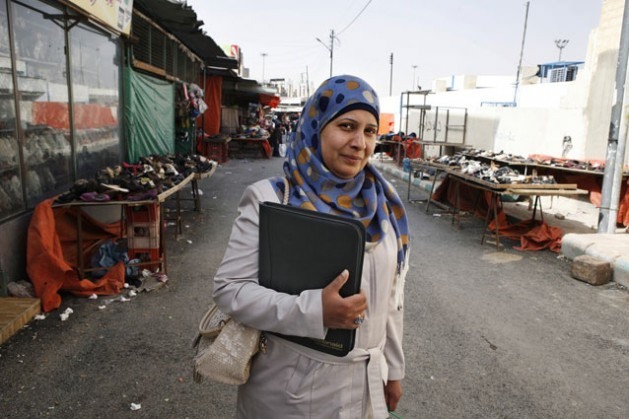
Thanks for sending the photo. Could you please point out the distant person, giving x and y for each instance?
(328, 170)
(276, 137)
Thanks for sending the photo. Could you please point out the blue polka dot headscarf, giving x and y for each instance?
(367, 197)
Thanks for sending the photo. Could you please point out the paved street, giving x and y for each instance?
(488, 334)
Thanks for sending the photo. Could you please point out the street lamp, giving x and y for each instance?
(413, 83)
(264, 54)
(329, 48)
(561, 44)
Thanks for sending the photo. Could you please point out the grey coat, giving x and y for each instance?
(290, 380)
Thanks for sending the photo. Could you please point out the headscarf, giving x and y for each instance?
(367, 197)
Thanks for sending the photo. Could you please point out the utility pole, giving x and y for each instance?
(517, 74)
(329, 48)
(264, 54)
(391, 76)
(614, 162)
(413, 85)
(307, 82)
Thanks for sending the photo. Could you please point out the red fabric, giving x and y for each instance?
(267, 148)
(533, 235)
(413, 150)
(269, 100)
(541, 237)
(210, 120)
(51, 255)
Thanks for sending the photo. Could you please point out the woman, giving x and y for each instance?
(327, 166)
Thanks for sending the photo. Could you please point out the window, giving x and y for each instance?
(95, 72)
(39, 46)
(46, 142)
(11, 195)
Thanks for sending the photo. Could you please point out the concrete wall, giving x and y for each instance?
(601, 64)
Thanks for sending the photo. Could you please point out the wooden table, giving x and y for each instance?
(158, 201)
(496, 191)
(194, 184)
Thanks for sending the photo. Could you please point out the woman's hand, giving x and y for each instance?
(392, 394)
(339, 312)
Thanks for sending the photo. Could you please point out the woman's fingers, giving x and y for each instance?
(339, 312)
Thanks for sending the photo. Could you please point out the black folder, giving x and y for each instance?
(301, 250)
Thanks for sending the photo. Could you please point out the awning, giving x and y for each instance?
(248, 90)
(181, 20)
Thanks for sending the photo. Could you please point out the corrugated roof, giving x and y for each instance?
(181, 20)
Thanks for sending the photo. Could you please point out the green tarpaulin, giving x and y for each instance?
(149, 115)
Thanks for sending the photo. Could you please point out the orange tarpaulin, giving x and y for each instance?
(86, 115)
(51, 255)
(533, 235)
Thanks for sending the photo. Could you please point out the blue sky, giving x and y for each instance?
(440, 37)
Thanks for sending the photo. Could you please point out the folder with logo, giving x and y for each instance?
(302, 250)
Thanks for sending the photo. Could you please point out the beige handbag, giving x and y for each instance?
(224, 347)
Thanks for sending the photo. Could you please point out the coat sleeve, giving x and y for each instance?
(393, 351)
(238, 293)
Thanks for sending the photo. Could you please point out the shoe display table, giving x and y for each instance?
(153, 232)
(196, 194)
(493, 197)
(470, 194)
(243, 147)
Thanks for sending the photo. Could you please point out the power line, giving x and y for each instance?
(354, 20)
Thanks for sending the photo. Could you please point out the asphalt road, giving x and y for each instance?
(488, 334)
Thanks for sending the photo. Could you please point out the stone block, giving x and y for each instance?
(592, 270)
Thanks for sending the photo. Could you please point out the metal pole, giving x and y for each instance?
(614, 161)
(391, 76)
(413, 85)
(264, 54)
(517, 74)
(331, 50)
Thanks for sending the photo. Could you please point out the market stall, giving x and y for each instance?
(465, 188)
(71, 249)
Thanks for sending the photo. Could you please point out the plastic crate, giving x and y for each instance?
(216, 151)
(143, 235)
(142, 213)
(149, 258)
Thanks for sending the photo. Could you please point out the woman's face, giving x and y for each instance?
(348, 141)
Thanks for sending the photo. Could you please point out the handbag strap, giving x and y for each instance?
(286, 191)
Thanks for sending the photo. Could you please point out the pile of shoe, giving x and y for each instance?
(540, 180)
(457, 160)
(141, 181)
